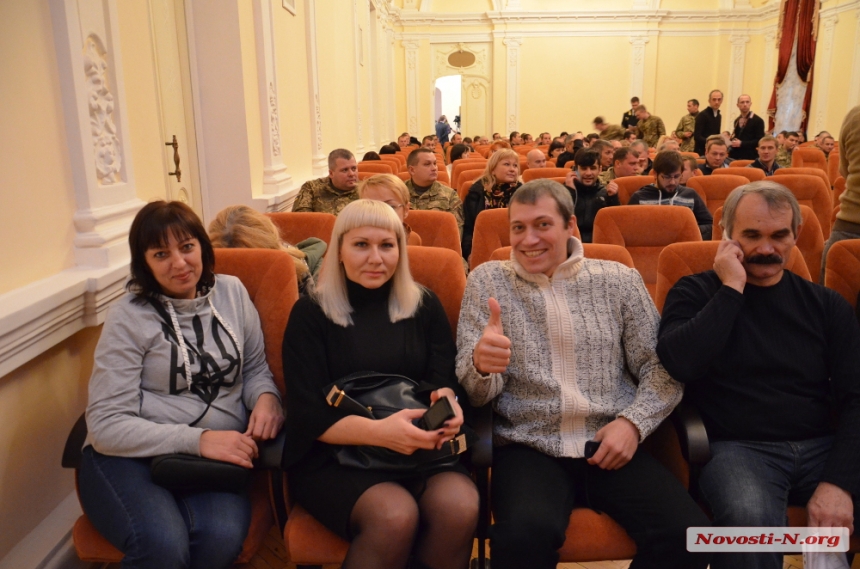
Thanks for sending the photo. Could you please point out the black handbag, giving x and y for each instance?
(377, 396)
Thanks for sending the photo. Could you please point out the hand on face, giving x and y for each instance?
(729, 265)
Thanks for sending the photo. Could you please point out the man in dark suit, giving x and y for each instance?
(708, 121)
(749, 129)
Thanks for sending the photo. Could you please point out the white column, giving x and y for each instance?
(389, 83)
(736, 76)
(276, 180)
(637, 68)
(854, 90)
(769, 75)
(89, 63)
(318, 157)
(357, 45)
(822, 72)
(411, 48)
(512, 106)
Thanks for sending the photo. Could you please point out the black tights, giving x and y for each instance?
(388, 525)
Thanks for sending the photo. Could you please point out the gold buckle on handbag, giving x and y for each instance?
(458, 444)
(330, 398)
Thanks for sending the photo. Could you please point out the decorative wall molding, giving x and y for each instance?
(512, 106)
(619, 31)
(736, 74)
(356, 28)
(442, 67)
(318, 157)
(822, 70)
(276, 180)
(769, 71)
(411, 48)
(389, 70)
(637, 67)
(854, 90)
(89, 62)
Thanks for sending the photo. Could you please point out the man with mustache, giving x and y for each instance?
(770, 360)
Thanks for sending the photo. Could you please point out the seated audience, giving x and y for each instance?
(589, 195)
(589, 139)
(605, 151)
(545, 139)
(515, 139)
(404, 140)
(572, 144)
(630, 136)
(668, 191)
(496, 136)
(645, 162)
(668, 144)
(239, 226)
(716, 154)
(555, 149)
(370, 156)
(786, 147)
(772, 362)
(456, 139)
(536, 159)
(826, 145)
(528, 139)
(562, 347)
(425, 191)
(625, 162)
(332, 193)
(691, 169)
(368, 314)
(460, 152)
(498, 145)
(493, 189)
(429, 142)
(390, 189)
(651, 127)
(389, 149)
(180, 367)
(766, 160)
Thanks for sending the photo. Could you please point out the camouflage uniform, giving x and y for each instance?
(687, 124)
(607, 176)
(783, 157)
(612, 132)
(320, 195)
(651, 129)
(440, 198)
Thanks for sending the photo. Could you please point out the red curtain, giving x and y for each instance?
(798, 19)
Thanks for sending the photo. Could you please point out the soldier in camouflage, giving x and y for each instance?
(332, 193)
(427, 193)
(789, 143)
(686, 127)
(651, 127)
(608, 131)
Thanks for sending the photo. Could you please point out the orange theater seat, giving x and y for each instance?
(807, 171)
(810, 240)
(715, 189)
(405, 176)
(644, 230)
(535, 173)
(751, 174)
(843, 269)
(833, 165)
(814, 192)
(296, 226)
(838, 189)
(590, 250)
(470, 174)
(365, 175)
(630, 185)
(436, 228)
(376, 166)
(809, 157)
(741, 163)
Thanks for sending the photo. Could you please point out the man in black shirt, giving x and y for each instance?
(629, 119)
(708, 121)
(749, 129)
(769, 359)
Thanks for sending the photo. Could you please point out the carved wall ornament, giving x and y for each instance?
(318, 121)
(108, 152)
(274, 122)
(476, 89)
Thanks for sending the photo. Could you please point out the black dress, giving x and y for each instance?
(318, 352)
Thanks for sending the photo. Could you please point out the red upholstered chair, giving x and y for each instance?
(376, 166)
(535, 173)
(590, 250)
(307, 541)
(808, 171)
(811, 191)
(491, 232)
(470, 174)
(296, 226)
(394, 162)
(809, 157)
(436, 228)
(810, 240)
(751, 174)
(833, 165)
(629, 185)
(715, 189)
(466, 164)
(741, 163)
(270, 278)
(644, 230)
(843, 269)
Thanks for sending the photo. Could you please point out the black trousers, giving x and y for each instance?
(533, 495)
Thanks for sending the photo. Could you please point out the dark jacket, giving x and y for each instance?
(749, 137)
(629, 119)
(756, 164)
(706, 125)
(587, 201)
(683, 196)
(474, 204)
(706, 169)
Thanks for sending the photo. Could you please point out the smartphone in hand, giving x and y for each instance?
(436, 415)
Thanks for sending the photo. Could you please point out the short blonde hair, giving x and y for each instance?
(331, 293)
(488, 180)
(387, 181)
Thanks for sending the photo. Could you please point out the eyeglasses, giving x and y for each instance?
(675, 178)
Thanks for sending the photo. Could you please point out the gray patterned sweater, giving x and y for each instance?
(583, 354)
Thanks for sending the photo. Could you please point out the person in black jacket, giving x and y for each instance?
(669, 191)
(493, 189)
(708, 121)
(749, 129)
(589, 195)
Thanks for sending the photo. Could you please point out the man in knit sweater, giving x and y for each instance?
(563, 349)
(772, 362)
(847, 224)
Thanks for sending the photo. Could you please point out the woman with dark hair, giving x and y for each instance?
(370, 156)
(556, 147)
(459, 151)
(179, 364)
(389, 149)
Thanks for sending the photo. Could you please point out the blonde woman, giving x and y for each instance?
(239, 226)
(368, 314)
(493, 189)
(390, 189)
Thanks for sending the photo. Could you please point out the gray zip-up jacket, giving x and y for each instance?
(582, 352)
(140, 403)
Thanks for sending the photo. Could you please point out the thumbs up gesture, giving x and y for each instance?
(493, 351)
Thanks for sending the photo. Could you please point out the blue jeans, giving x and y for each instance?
(157, 528)
(750, 483)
